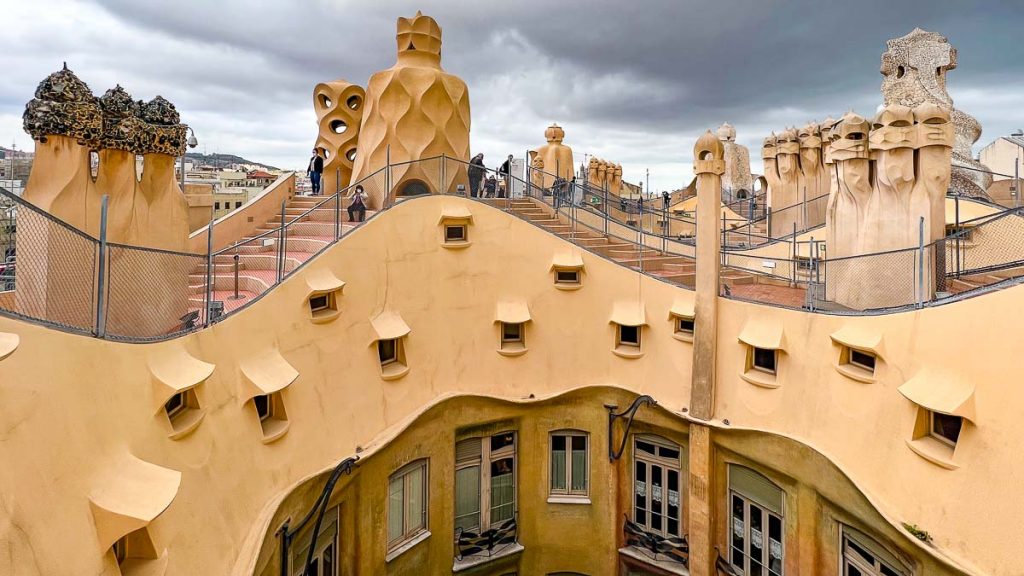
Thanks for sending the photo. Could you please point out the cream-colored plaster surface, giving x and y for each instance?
(232, 480)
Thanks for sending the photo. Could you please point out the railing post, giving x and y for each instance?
(604, 191)
(101, 280)
(281, 242)
(387, 177)
(337, 215)
(724, 242)
(236, 276)
(337, 203)
(921, 262)
(209, 272)
(956, 204)
(641, 233)
(444, 180)
(1016, 177)
(768, 222)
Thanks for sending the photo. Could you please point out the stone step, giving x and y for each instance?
(250, 282)
(666, 263)
(730, 278)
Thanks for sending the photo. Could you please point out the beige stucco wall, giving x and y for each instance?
(1001, 156)
(71, 420)
(246, 220)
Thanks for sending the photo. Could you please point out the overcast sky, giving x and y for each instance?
(632, 82)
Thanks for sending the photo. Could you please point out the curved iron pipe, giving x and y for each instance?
(346, 466)
(629, 413)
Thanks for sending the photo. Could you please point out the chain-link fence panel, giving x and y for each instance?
(994, 244)
(153, 294)
(48, 269)
(873, 281)
(309, 233)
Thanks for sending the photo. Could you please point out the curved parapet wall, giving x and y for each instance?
(233, 478)
(247, 220)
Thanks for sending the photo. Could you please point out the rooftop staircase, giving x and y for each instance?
(308, 231)
(670, 267)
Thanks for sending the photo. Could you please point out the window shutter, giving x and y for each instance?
(756, 487)
(467, 451)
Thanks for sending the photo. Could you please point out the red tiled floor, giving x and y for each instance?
(770, 294)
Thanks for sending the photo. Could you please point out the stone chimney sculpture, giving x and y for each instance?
(737, 176)
(68, 123)
(414, 110)
(887, 199)
(339, 109)
(557, 156)
(915, 67)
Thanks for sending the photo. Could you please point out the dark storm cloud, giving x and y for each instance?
(634, 82)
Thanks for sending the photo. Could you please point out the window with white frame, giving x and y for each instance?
(863, 556)
(763, 359)
(485, 481)
(944, 427)
(407, 504)
(684, 325)
(569, 464)
(511, 332)
(567, 276)
(756, 535)
(657, 485)
(628, 335)
(455, 233)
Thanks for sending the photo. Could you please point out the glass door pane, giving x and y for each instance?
(579, 464)
(558, 463)
(395, 510)
(502, 490)
(467, 498)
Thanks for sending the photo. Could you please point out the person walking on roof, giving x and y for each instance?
(504, 172)
(315, 170)
(476, 174)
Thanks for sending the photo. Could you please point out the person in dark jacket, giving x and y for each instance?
(476, 174)
(490, 186)
(666, 199)
(504, 173)
(315, 170)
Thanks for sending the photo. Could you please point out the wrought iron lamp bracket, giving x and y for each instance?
(629, 413)
(287, 534)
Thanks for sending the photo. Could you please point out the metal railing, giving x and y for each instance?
(56, 275)
(487, 543)
(655, 546)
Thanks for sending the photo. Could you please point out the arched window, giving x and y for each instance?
(756, 511)
(863, 556)
(657, 486)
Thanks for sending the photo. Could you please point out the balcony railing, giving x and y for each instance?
(470, 545)
(655, 546)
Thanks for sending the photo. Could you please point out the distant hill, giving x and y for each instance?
(223, 160)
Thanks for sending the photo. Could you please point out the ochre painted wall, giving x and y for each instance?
(70, 421)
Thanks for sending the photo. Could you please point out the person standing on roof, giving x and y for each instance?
(504, 172)
(315, 170)
(476, 174)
